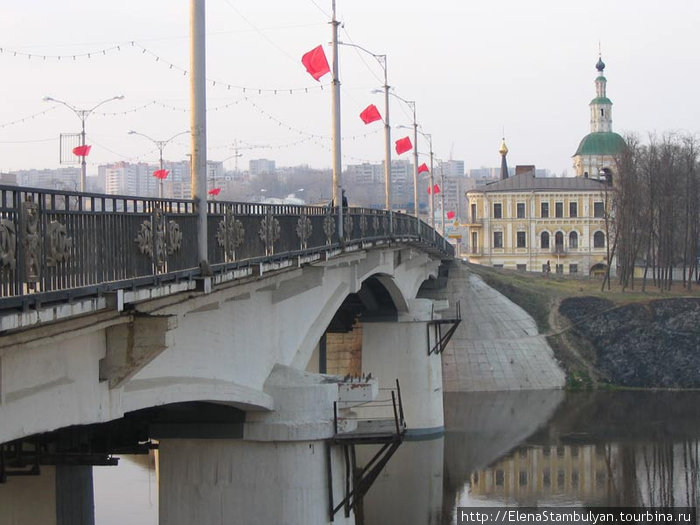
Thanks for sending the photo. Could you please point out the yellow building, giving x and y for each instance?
(558, 223)
(525, 222)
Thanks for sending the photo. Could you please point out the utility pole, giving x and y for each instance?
(198, 88)
(337, 161)
(415, 162)
(387, 142)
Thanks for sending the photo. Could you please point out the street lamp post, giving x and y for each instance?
(431, 182)
(160, 144)
(382, 59)
(82, 114)
(412, 104)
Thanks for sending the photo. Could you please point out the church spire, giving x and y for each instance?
(503, 150)
(601, 105)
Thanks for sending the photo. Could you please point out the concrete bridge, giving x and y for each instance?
(254, 374)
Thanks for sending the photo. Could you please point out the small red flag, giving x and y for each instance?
(436, 189)
(81, 151)
(316, 63)
(450, 215)
(370, 114)
(403, 145)
(423, 168)
(214, 191)
(160, 174)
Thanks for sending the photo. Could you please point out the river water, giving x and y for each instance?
(546, 448)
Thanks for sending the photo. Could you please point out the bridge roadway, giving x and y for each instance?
(112, 337)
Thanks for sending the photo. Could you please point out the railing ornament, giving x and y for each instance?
(329, 227)
(31, 243)
(363, 225)
(8, 242)
(174, 237)
(375, 224)
(144, 238)
(58, 244)
(348, 225)
(269, 232)
(304, 230)
(230, 234)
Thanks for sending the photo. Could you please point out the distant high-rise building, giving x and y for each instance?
(125, 178)
(260, 166)
(66, 179)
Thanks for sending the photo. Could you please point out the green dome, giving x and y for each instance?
(601, 100)
(601, 143)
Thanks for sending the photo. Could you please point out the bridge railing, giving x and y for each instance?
(57, 245)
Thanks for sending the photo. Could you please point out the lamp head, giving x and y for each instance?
(48, 99)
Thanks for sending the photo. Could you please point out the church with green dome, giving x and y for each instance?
(595, 155)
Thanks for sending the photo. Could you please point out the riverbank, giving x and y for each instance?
(497, 346)
(613, 338)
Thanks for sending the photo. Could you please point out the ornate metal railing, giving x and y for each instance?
(58, 245)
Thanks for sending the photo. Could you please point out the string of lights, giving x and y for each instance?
(157, 58)
(30, 117)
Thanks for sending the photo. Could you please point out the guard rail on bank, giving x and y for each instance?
(58, 246)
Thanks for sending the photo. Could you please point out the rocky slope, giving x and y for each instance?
(650, 345)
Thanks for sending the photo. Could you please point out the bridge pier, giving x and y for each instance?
(399, 350)
(282, 471)
(60, 495)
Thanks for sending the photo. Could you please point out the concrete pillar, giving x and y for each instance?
(392, 350)
(75, 502)
(61, 495)
(279, 471)
(409, 489)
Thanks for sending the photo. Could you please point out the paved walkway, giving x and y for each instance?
(497, 346)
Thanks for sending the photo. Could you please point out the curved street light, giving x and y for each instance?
(82, 114)
(387, 127)
(412, 104)
(160, 144)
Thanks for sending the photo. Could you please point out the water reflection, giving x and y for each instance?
(502, 448)
(127, 493)
(605, 448)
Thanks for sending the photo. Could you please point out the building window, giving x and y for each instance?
(475, 243)
(558, 209)
(500, 266)
(497, 210)
(573, 240)
(520, 239)
(573, 268)
(544, 210)
(559, 268)
(498, 239)
(599, 240)
(521, 267)
(473, 212)
(544, 240)
(559, 242)
(520, 210)
(573, 209)
(597, 209)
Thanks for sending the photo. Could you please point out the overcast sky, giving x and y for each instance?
(476, 69)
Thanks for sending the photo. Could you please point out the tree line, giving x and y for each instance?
(654, 213)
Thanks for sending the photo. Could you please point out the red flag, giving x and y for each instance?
(214, 191)
(370, 114)
(403, 145)
(450, 215)
(316, 63)
(436, 189)
(423, 168)
(161, 174)
(81, 151)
